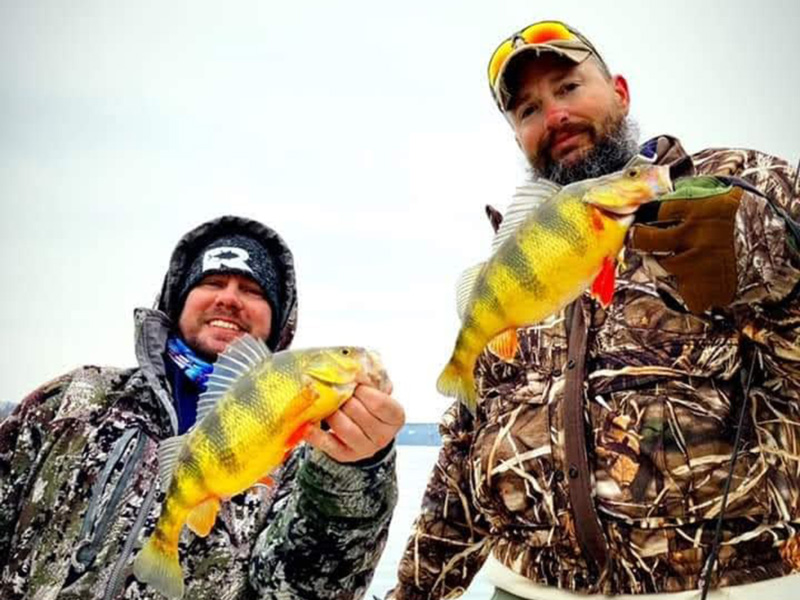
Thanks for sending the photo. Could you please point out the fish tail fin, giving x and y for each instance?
(157, 564)
(455, 381)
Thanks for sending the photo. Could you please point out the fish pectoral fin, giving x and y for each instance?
(603, 285)
(302, 401)
(505, 344)
(203, 516)
(295, 437)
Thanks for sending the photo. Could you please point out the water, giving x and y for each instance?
(414, 465)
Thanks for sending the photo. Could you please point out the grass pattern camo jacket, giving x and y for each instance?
(661, 398)
(79, 490)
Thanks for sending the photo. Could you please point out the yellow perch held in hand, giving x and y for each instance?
(543, 257)
(257, 406)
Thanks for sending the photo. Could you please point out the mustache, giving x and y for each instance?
(569, 128)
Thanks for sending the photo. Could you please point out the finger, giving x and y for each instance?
(348, 432)
(327, 443)
(379, 433)
(381, 405)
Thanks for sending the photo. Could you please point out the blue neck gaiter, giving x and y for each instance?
(188, 374)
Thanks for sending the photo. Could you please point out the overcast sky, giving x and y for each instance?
(363, 132)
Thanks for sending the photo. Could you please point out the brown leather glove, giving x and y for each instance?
(692, 238)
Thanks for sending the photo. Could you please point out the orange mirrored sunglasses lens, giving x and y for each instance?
(498, 58)
(538, 33)
(546, 32)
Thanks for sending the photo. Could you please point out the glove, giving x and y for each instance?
(690, 232)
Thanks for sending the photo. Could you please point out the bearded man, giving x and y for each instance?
(651, 446)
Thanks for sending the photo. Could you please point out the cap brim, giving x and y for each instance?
(576, 55)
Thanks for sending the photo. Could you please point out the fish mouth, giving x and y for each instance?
(373, 373)
(618, 213)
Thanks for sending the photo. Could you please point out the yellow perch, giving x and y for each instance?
(256, 408)
(557, 250)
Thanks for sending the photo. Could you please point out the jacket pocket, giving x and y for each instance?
(513, 468)
(665, 454)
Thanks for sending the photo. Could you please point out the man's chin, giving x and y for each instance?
(215, 345)
(571, 157)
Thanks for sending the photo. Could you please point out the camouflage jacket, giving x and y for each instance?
(79, 493)
(662, 390)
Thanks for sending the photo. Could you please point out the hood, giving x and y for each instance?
(169, 301)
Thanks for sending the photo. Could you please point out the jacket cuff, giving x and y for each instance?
(350, 490)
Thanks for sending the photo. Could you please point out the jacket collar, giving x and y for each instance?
(667, 150)
(152, 329)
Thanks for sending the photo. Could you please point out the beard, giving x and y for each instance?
(615, 143)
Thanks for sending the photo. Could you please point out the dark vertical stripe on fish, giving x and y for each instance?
(516, 261)
(486, 295)
(244, 390)
(551, 218)
(194, 471)
(472, 327)
(214, 429)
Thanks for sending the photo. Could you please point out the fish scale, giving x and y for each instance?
(549, 252)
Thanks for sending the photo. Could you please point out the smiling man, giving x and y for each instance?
(79, 469)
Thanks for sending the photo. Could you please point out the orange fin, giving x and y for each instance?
(296, 436)
(203, 516)
(505, 344)
(603, 285)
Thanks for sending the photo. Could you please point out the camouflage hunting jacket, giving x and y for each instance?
(660, 405)
(80, 492)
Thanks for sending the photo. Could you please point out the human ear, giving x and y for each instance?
(621, 92)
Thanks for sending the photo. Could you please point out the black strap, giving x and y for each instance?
(745, 373)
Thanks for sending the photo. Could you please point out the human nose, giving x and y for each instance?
(556, 114)
(229, 296)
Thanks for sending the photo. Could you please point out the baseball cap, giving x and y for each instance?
(542, 36)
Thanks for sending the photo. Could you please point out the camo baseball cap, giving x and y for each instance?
(542, 36)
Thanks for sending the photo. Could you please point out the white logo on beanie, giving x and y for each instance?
(226, 257)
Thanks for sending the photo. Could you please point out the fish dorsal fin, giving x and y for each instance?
(526, 199)
(464, 287)
(168, 452)
(240, 357)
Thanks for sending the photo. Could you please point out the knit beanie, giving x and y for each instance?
(240, 255)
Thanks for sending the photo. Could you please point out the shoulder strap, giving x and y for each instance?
(587, 524)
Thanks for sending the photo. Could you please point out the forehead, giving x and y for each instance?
(528, 73)
(241, 278)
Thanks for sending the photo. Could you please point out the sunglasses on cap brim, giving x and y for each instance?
(543, 32)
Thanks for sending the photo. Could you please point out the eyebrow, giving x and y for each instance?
(520, 98)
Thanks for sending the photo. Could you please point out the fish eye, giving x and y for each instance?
(632, 172)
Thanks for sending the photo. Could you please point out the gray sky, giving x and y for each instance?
(362, 131)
